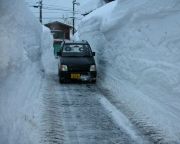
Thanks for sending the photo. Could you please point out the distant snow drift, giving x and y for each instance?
(20, 35)
(90, 5)
(138, 46)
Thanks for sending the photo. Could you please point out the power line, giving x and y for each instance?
(52, 18)
(54, 12)
(56, 6)
(61, 18)
(50, 8)
(55, 9)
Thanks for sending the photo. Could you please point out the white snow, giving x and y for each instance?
(20, 73)
(90, 5)
(137, 45)
(48, 59)
(121, 120)
(19, 37)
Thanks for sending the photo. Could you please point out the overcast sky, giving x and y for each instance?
(60, 10)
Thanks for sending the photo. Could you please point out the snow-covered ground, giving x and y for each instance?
(137, 45)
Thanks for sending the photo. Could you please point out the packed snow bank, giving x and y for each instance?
(20, 107)
(48, 59)
(20, 73)
(137, 44)
(20, 35)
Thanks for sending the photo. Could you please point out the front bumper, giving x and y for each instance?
(82, 76)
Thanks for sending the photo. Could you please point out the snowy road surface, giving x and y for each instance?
(80, 114)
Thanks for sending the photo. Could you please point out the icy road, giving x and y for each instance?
(81, 114)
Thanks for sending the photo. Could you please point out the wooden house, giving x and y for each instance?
(60, 30)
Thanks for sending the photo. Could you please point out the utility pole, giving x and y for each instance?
(74, 3)
(40, 11)
(40, 3)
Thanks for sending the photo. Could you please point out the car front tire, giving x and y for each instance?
(93, 81)
(61, 80)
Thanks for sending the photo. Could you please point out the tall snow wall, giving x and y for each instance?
(138, 56)
(20, 36)
(20, 76)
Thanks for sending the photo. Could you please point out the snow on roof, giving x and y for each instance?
(60, 23)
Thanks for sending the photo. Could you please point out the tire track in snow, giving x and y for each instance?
(153, 134)
(87, 121)
(74, 114)
(52, 125)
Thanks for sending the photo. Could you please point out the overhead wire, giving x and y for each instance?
(50, 9)
(56, 6)
(61, 9)
(56, 9)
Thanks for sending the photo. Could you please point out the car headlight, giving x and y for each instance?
(64, 68)
(93, 68)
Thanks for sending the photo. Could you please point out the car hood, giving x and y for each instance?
(77, 60)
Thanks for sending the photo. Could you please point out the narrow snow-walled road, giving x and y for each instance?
(80, 114)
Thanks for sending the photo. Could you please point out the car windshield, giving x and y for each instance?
(71, 50)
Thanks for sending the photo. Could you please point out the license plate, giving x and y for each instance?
(75, 76)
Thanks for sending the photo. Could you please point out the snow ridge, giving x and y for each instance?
(137, 45)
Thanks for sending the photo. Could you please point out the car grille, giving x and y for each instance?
(79, 68)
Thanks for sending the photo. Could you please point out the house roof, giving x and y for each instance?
(60, 23)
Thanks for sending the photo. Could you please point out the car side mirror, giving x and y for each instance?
(93, 53)
(59, 53)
